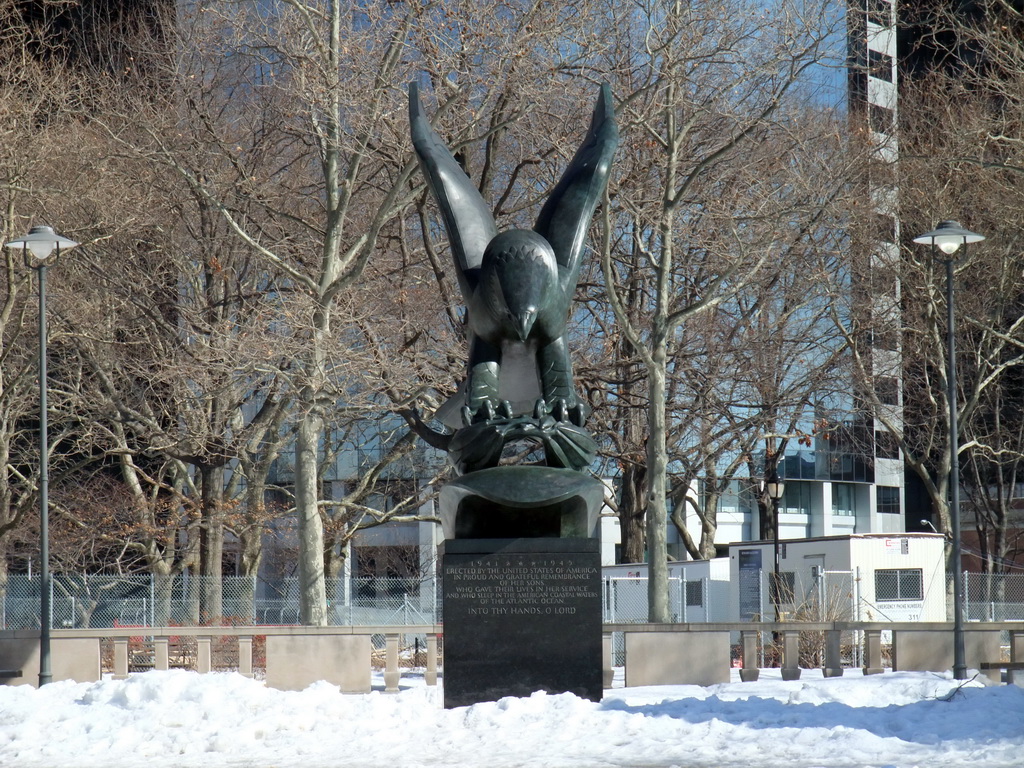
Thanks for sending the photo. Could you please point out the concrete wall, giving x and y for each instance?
(932, 651)
(655, 654)
(296, 662)
(70, 658)
(677, 658)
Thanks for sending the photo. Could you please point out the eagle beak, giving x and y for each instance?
(524, 322)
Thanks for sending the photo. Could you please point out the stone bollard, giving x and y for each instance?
(833, 654)
(120, 658)
(873, 652)
(161, 653)
(245, 655)
(430, 675)
(607, 670)
(749, 672)
(790, 654)
(391, 673)
(1016, 656)
(204, 654)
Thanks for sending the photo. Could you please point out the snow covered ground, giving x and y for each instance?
(177, 719)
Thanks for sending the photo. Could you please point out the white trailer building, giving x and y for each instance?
(698, 591)
(858, 577)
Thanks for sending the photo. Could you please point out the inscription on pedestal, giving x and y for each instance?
(521, 586)
(518, 621)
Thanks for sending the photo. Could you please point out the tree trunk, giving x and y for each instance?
(334, 559)
(632, 512)
(163, 585)
(951, 568)
(190, 558)
(4, 569)
(335, 585)
(193, 590)
(251, 554)
(312, 590)
(708, 526)
(211, 554)
(657, 503)
(765, 519)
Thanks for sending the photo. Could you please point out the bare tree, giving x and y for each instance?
(992, 475)
(40, 106)
(702, 90)
(320, 91)
(960, 158)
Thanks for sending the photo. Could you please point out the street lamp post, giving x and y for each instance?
(775, 488)
(949, 238)
(36, 248)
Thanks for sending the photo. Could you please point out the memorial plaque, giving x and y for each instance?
(521, 615)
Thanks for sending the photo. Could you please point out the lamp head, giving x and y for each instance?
(775, 487)
(948, 237)
(40, 242)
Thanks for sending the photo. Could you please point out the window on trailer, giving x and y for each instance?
(899, 584)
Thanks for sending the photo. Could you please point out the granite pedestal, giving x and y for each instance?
(521, 615)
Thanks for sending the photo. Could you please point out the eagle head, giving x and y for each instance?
(519, 278)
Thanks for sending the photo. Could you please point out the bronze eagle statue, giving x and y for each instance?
(518, 285)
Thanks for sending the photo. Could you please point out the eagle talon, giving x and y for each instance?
(484, 412)
(577, 414)
(480, 445)
(559, 410)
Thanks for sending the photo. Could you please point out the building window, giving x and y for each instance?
(858, 87)
(849, 454)
(798, 466)
(881, 119)
(899, 584)
(886, 338)
(796, 499)
(887, 389)
(880, 65)
(885, 227)
(888, 500)
(728, 499)
(886, 445)
(388, 562)
(880, 12)
(843, 495)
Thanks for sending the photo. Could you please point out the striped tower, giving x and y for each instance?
(871, 35)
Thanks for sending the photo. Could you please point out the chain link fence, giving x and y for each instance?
(994, 596)
(92, 601)
(811, 595)
(83, 601)
(625, 600)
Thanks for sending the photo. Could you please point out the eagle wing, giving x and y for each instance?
(467, 218)
(565, 217)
